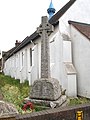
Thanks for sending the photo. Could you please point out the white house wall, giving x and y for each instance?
(79, 12)
(18, 66)
(69, 72)
(72, 85)
(56, 55)
(67, 56)
(17, 70)
(81, 59)
(60, 55)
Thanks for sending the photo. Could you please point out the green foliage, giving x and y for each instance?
(40, 108)
(79, 100)
(13, 91)
(8, 80)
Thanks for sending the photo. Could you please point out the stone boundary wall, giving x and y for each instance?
(81, 112)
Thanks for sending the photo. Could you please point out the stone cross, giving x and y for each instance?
(46, 89)
(44, 31)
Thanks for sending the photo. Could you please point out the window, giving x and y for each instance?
(30, 56)
(22, 58)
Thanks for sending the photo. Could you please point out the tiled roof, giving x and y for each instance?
(53, 21)
(7, 54)
(82, 27)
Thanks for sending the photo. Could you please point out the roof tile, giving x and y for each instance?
(82, 27)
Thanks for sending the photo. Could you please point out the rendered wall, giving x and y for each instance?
(81, 60)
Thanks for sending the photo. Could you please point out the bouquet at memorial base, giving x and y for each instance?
(27, 106)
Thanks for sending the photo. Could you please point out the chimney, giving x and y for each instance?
(17, 43)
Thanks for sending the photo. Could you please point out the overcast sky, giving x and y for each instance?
(20, 18)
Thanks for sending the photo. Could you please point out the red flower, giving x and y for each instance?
(27, 105)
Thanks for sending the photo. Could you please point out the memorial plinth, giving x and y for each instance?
(46, 89)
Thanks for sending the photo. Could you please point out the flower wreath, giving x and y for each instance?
(27, 105)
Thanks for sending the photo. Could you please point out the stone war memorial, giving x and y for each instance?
(46, 90)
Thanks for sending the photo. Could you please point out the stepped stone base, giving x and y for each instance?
(46, 89)
(47, 92)
(62, 101)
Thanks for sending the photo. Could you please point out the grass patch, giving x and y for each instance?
(79, 100)
(40, 108)
(13, 91)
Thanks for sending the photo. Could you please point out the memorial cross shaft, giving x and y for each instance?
(44, 30)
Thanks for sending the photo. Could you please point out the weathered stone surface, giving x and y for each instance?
(1, 95)
(46, 89)
(7, 109)
(44, 31)
(62, 101)
(59, 102)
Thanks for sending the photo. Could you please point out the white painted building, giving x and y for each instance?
(69, 54)
(80, 37)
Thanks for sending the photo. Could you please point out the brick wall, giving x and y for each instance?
(65, 113)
